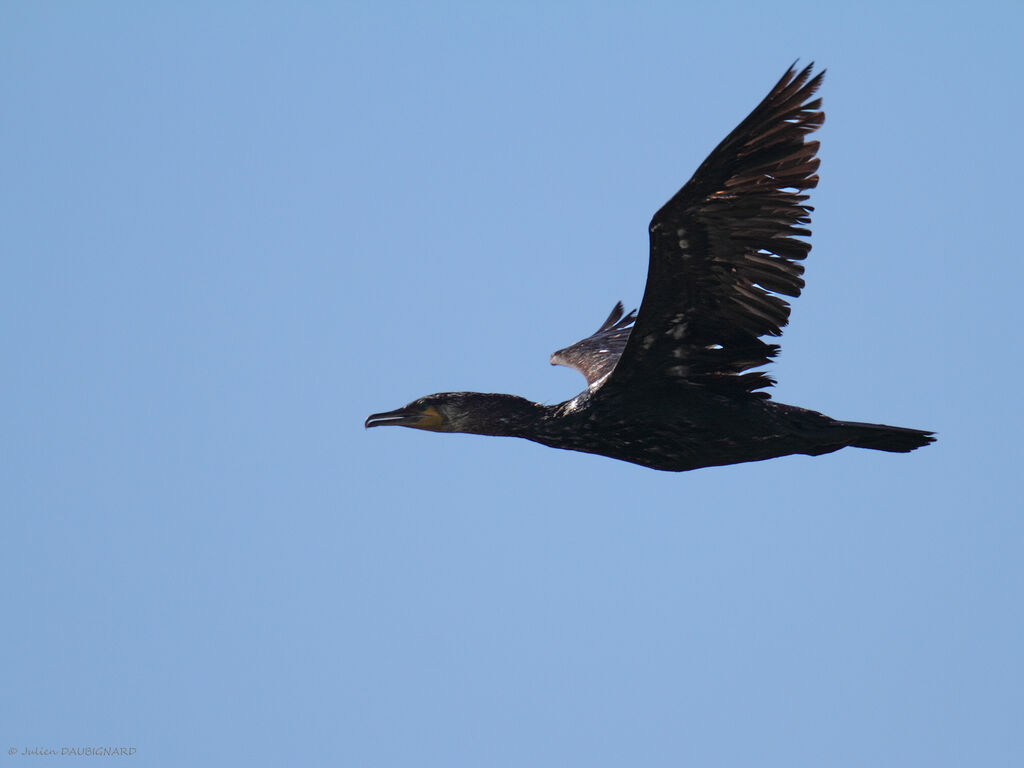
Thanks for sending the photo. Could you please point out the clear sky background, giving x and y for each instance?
(229, 232)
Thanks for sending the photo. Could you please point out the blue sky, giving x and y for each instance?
(231, 232)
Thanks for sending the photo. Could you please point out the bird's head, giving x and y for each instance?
(459, 412)
(426, 413)
(443, 412)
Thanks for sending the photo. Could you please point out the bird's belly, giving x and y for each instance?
(677, 442)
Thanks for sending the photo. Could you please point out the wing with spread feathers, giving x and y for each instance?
(724, 251)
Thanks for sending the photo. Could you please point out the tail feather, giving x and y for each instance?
(881, 437)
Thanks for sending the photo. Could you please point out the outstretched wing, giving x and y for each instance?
(724, 252)
(596, 355)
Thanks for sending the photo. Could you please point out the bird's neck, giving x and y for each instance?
(507, 415)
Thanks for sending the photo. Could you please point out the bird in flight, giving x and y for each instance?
(676, 386)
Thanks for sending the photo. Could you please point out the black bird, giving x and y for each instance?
(673, 386)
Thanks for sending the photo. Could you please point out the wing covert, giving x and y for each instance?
(596, 355)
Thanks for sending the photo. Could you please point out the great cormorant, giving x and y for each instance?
(673, 386)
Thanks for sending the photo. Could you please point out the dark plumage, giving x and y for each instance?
(674, 386)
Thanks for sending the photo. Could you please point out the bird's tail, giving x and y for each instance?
(881, 437)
